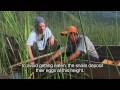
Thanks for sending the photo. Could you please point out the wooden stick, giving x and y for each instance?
(29, 60)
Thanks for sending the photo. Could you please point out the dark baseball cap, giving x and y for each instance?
(39, 19)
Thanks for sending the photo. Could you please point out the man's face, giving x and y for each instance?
(73, 37)
(41, 27)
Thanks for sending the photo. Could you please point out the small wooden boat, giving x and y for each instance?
(110, 58)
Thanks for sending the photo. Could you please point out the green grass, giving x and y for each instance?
(19, 25)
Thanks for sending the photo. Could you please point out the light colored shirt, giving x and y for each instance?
(41, 40)
(85, 45)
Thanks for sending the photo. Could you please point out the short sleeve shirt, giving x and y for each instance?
(83, 44)
(41, 40)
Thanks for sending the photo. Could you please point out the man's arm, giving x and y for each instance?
(57, 54)
(51, 38)
(30, 41)
(31, 54)
(51, 41)
(74, 55)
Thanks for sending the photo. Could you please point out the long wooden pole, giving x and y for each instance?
(29, 60)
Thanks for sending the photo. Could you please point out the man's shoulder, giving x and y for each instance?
(83, 37)
(47, 29)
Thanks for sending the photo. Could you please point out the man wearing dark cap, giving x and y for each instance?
(40, 37)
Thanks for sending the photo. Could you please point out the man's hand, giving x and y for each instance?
(32, 62)
(59, 62)
(56, 62)
(31, 55)
(74, 56)
(51, 41)
(46, 62)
